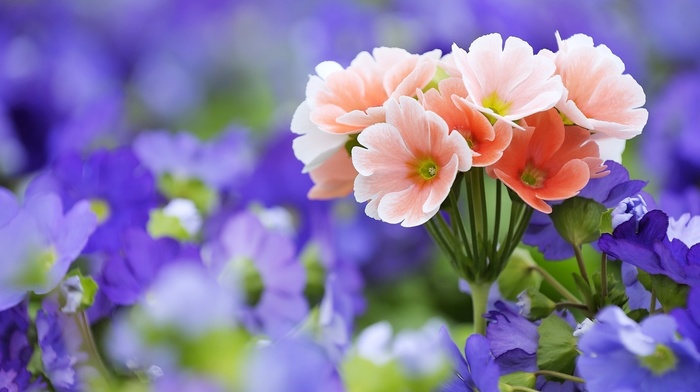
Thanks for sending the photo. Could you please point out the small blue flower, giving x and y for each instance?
(619, 354)
(513, 340)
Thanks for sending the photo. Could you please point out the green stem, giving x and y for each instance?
(604, 275)
(459, 224)
(556, 285)
(562, 376)
(497, 222)
(93, 353)
(652, 305)
(572, 305)
(480, 299)
(581, 263)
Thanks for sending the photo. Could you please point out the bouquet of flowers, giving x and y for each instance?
(170, 263)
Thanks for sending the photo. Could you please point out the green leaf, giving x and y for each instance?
(670, 293)
(585, 290)
(638, 314)
(540, 306)
(518, 275)
(578, 220)
(606, 222)
(519, 379)
(556, 350)
(193, 189)
(162, 225)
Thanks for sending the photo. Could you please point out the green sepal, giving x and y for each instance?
(518, 275)
(162, 225)
(518, 379)
(89, 287)
(315, 274)
(193, 189)
(606, 222)
(616, 292)
(671, 294)
(578, 220)
(540, 305)
(556, 349)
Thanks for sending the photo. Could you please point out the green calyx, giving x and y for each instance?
(428, 169)
(246, 276)
(660, 361)
(101, 209)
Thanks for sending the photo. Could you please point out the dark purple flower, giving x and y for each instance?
(688, 319)
(646, 245)
(619, 354)
(609, 191)
(262, 264)
(15, 377)
(513, 340)
(14, 343)
(39, 244)
(60, 342)
(121, 191)
(477, 370)
(126, 275)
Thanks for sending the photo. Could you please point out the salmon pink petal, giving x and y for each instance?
(524, 192)
(383, 146)
(441, 186)
(334, 178)
(572, 177)
(550, 135)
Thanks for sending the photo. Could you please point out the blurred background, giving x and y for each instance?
(78, 76)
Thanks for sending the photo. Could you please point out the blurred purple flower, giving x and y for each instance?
(219, 163)
(291, 365)
(619, 354)
(478, 372)
(609, 191)
(15, 350)
(39, 243)
(262, 264)
(119, 188)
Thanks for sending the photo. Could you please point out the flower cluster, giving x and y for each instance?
(397, 128)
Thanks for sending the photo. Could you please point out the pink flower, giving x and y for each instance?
(548, 161)
(597, 95)
(510, 82)
(486, 141)
(340, 103)
(408, 164)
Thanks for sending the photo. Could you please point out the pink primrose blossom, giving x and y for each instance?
(408, 164)
(486, 141)
(548, 161)
(597, 95)
(507, 83)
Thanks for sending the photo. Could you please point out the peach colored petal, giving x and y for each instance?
(524, 192)
(521, 82)
(391, 164)
(572, 177)
(334, 178)
(599, 96)
(314, 146)
(549, 138)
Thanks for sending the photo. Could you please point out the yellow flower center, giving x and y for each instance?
(427, 169)
(495, 103)
(533, 177)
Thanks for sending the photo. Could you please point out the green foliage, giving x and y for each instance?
(518, 379)
(518, 275)
(578, 220)
(540, 305)
(363, 375)
(671, 294)
(162, 225)
(556, 349)
(192, 189)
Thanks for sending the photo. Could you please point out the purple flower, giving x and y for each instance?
(15, 377)
(513, 340)
(121, 191)
(609, 191)
(126, 275)
(688, 319)
(646, 245)
(39, 244)
(219, 163)
(263, 265)
(619, 354)
(477, 370)
(60, 342)
(291, 365)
